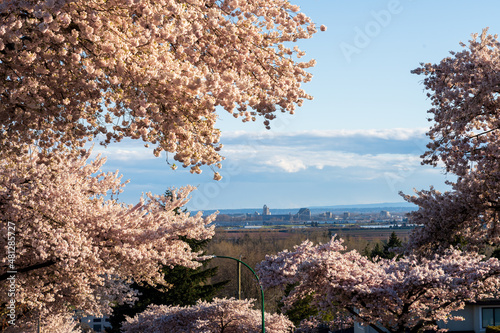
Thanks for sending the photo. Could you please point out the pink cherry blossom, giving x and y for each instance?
(53, 322)
(149, 70)
(411, 293)
(221, 315)
(74, 247)
(463, 89)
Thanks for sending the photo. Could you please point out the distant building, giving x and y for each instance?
(304, 214)
(346, 215)
(97, 324)
(384, 214)
(326, 215)
(273, 219)
(265, 210)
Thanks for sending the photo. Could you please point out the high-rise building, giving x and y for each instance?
(304, 213)
(384, 214)
(265, 210)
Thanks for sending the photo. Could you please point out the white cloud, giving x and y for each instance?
(126, 151)
(386, 134)
(273, 158)
(286, 164)
(348, 165)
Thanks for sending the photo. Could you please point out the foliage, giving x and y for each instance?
(150, 70)
(388, 250)
(463, 89)
(307, 317)
(492, 329)
(371, 253)
(410, 294)
(496, 253)
(393, 242)
(186, 287)
(301, 309)
(76, 248)
(221, 315)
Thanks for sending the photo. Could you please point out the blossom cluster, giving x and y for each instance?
(221, 315)
(154, 70)
(465, 138)
(410, 293)
(75, 246)
(58, 322)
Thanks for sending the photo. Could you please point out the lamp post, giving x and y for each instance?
(238, 274)
(261, 288)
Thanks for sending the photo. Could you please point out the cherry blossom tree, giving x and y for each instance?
(151, 70)
(464, 91)
(71, 247)
(155, 71)
(404, 295)
(221, 315)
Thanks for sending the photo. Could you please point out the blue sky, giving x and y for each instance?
(358, 141)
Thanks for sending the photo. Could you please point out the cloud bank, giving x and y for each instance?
(294, 152)
(293, 169)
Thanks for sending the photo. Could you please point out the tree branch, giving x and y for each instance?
(29, 268)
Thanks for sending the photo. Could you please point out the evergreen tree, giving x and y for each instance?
(377, 252)
(300, 310)
(386, 251)
(393, 243)
(496, 253)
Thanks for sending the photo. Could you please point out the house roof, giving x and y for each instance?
(486, 302)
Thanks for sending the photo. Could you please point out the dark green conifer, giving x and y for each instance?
(387, 249)
(301, 309)
(393, 243)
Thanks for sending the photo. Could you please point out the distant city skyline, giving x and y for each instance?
(358, 141)
(375, 207)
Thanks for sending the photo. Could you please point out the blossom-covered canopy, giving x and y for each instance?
(154, 70)
(408, 294)
(72, 246)
(464, 90)
(219, 316)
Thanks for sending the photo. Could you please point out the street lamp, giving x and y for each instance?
(261, 288)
